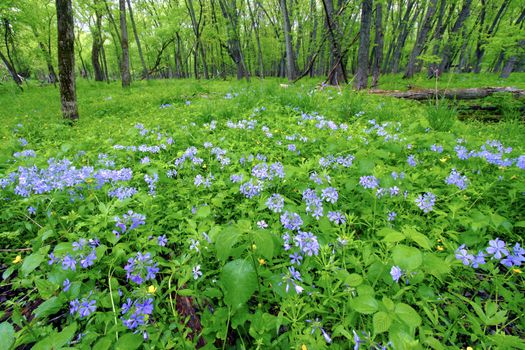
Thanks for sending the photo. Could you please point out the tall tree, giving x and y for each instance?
(337, 72)
(290, 57)
(66, 59)
(137, 41)
(361, 76)
(378, 45)
(421, 39)
(124, 68)
(96, 47)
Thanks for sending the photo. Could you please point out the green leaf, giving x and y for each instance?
(418, 237)
(408, 315)
(365, 304)
(435, 266)
(502, 341)
(239, 281)
(381, 322)
(104, 343)
(31, 263)
(7, 335)
(203, 212)
(264, 242)
(225, 242)
(408, 258)
(393, 237)
(48, 307)
(57, 340)
(354, 280)
(129, 341)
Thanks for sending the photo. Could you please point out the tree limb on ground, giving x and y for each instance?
(453, 94)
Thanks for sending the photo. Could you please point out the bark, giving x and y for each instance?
(97, 45)
(378, 46)
(199, 48)
(421, 39)
(11, 70)
(361, 76)
(403, 34)
(336, 72)
(66, 59)
(255, 27)
(290, 57)
(449, 49)
(124, 67)
(438, 34)
(145, 74)
(482, 40)
(229, 12)
(313, 40)
(454, 94)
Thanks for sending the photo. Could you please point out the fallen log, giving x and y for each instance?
(452, 94)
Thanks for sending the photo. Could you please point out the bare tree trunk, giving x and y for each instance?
(11, 70)
(438, 34)
(336, 71)
(137, 40)
(124, 68)
(403, 33)
(290, 57)
(97, 45)
(255, 27)
(378, 48)
(66, 59)
(313, 39)
(449, 49)
(421, 39)
(361, 76)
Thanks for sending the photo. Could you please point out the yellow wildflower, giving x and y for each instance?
(303, 347)
(17, 259)
(152, 289)
(262, 261)
(516, 270)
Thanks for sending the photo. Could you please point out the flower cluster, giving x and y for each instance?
(82, 308)
(141, 268)
(152, 182)
(83, 253)
(426, 202)
(128, 222)
(497, 250)
(314, 204)
(455, 178)
(275, 203)
(135, 313)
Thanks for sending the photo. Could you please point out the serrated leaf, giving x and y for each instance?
(435, 266)
(203, 212)
(381, 322)
(239, 281)
(393, 236)
(365, 304)
(354, 280)
(31, 263)
(408, 315)
(104, 343)
(7, 335)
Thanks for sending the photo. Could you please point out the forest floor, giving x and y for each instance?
(261, 214)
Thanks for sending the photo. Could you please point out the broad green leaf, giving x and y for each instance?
(239, 281)
(393, 236)
(365, 304)
(225, 242)
(7, 335)
(49, 307)
(354, 280)
(408, 315)
(381, 322)
(57, 340)
(435, 266)
(418, 237)
(31, 263)
(129, 341)
(408, 258)
(264, 242)
(104, 343)
(502, 341)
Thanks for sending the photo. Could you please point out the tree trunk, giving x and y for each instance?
(11, 70)
(290, 57)
(421, 39)
(454, 94)
(97, 45)
(124, 68)
(378, 46)
(336, 71)
(438, 34)
(450, 47)
(255, 26)
(361, 76)
(403, 33)
(66, 59)
(137, 40)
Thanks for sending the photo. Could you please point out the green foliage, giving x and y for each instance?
(225, 275)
